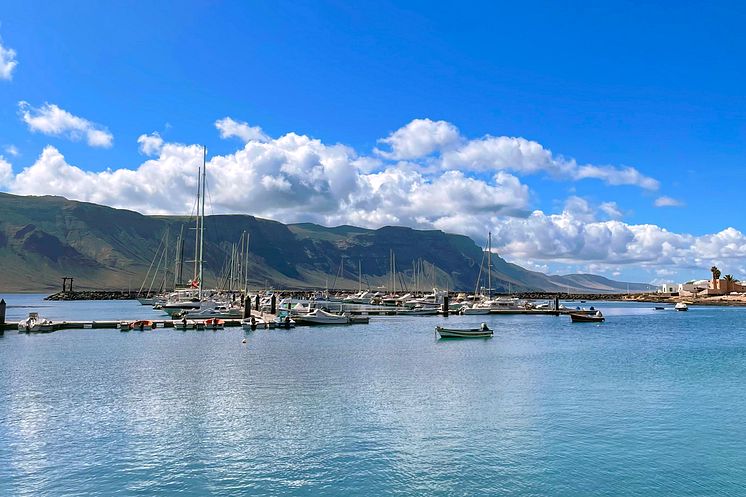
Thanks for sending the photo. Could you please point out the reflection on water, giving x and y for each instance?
(648, 403)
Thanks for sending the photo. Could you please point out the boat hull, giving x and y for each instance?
(455, 333)
(472, 311)
(584, 318)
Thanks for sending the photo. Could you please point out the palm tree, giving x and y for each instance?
(715, 273)
(729, 281)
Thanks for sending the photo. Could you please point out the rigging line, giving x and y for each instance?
(158, 267)
(157, 251)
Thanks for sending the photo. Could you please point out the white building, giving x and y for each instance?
(668, 288)
(692, 288)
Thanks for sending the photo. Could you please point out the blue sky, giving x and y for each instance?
(657, 87)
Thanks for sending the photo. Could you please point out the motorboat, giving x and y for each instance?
(579, 317)
(681, 306)
(659, 308)
(482, 332)
(320, 316)
(282, 322)
(253, 322)
(214, 323)
(362, 297)
(185, 324)
(35, 324)
(216, 311)
(141, 325)
(474, 309)
(419, 310)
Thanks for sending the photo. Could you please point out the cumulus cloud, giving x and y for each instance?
(8, 62)
(150, 144)
(668, 202)
(6, 172)
(50, 119)
(420, 138)
(229, 129)
(529, 157)
(575, 238)
(291, 178)
(473, 186)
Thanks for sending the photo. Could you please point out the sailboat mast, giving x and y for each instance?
(179, 256)
(246, 272)
(165, 262)
(196, 228)
(489, 264)
(202, 222)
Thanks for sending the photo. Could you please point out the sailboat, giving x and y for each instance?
(190, 299)
(479, 307)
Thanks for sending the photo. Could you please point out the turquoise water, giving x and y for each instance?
(649, 403)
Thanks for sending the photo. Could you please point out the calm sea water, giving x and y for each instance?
(649, 403)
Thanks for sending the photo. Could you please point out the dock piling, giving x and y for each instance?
(273, 305)
(445, 305)
(2, 315)
(247, 307)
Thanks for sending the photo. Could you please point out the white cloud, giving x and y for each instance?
(297, 178)
(420, 138)
(8, 62)
(574, 238)
(50, 119)
(528, 157)
(12, 150)
(668, 202)
(229, 128)
(6, 172)
(611, 209)
(150, 144)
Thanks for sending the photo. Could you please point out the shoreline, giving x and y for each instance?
(721, 300)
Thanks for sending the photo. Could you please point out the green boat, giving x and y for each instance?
(482, 332)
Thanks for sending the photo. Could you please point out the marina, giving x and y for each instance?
(386, 249)
(321, 312)
(641, 386)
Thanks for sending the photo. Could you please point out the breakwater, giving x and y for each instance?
(93, 295)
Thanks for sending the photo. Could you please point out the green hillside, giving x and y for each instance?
(45, 238)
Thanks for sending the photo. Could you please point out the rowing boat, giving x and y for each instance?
(586, 318)
(482, 332)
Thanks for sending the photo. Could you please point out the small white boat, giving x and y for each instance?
(419, 310)
(475, 310)
(219, 311)
(320, 316)
(253, 322)
(482, 332)
(681, 306)
(282, 322)
(35, 324)
(184, 324)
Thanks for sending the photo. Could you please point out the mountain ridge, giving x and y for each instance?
(43, 238)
